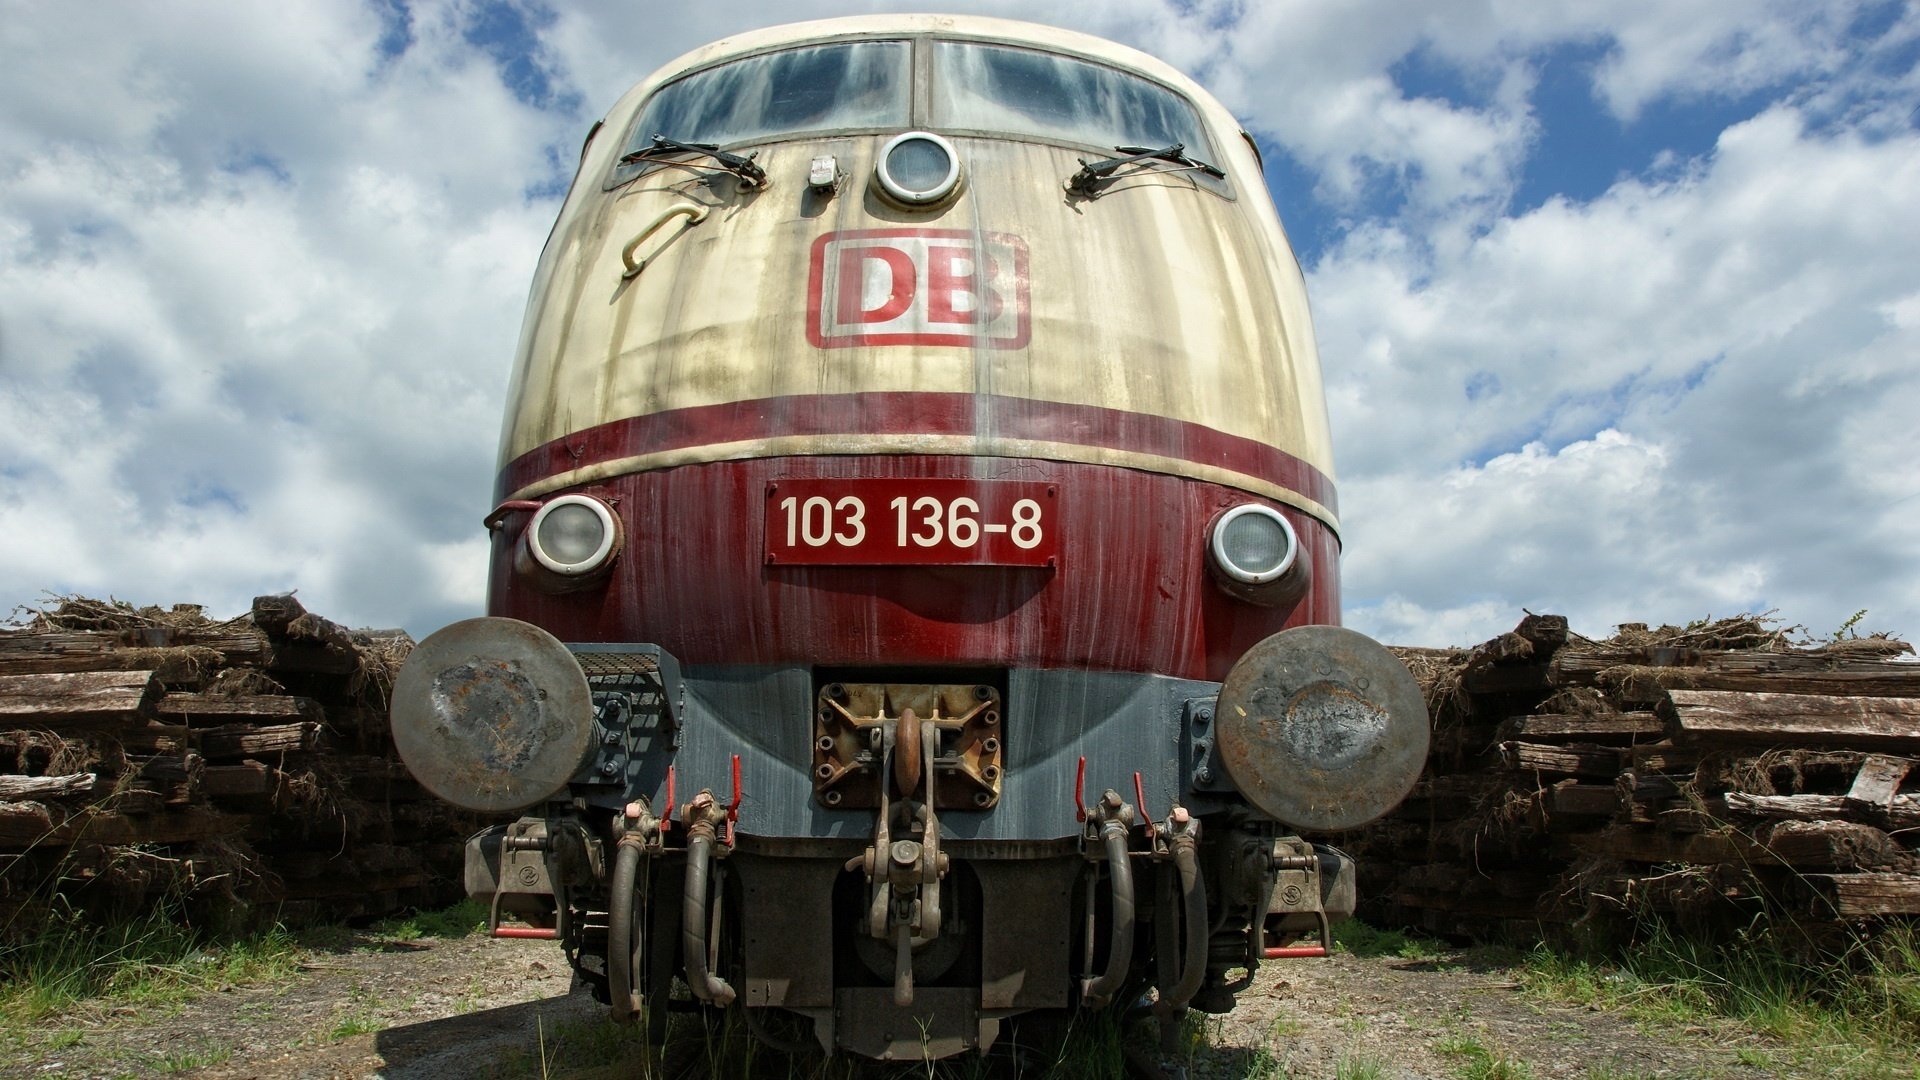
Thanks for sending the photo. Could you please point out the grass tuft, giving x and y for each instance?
(151, 960)
(1866, 997)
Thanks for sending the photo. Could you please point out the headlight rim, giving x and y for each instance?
(909, 197)
(1216, 545)
(602, 554)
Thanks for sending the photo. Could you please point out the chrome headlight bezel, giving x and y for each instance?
(917, 198)
(603, 552)
(1216, 545)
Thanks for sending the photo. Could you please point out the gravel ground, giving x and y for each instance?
(453, 1009)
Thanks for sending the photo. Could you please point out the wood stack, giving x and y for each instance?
(240, 768)
(1705, 772)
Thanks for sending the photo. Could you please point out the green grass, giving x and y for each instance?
(1353, 936)
(464, 919)
(1861, 1005)
(148, 961)
(1359, 1065)
(1479, 1062)
(186, 1060)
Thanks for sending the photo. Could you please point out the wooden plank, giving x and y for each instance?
(1902, 811)
(89, 697)
(170, 651)
(1782, 718)
(1823, 844)
(1603, 761)
(1878, 781)
(1548, 633)
(24, 824)
(1575, 799)
(1624, 726)
(261, 708)
(239, 740)
(246, 778)
(1507, 679)
(46, 787)
(1856, 895)
(1820, 845)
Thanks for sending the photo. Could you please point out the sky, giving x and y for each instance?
(1618, 303)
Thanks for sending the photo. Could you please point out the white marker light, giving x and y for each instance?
(918, 168)
(573, 535)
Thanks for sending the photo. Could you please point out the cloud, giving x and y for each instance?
(259, 299)
(1679, 398)
(261, 270)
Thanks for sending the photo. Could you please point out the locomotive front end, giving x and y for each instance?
(914, 597)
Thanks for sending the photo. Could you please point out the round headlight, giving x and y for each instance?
(573, 534)
(918, 168)
(1253, 544)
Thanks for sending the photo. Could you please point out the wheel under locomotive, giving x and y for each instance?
(914, 596)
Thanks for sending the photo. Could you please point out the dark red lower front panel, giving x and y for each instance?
(1128, 588)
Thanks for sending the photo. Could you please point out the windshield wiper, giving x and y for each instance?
(740, 166)
(1095, 175)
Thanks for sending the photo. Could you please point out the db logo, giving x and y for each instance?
(918, 287)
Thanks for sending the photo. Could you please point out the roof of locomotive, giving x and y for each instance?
(976, 27)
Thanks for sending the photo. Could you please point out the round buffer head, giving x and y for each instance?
(492, 714)
(1321, 728)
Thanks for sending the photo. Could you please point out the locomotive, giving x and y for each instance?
(914, 596)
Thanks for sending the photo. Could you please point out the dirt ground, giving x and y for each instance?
(437, 1009)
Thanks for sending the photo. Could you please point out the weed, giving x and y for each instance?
(359, 1021)
(1359, 1065)
(1362, 940)
(1478, 1062)
(179, 1061)
(1864, 1001)
(464, 919)
(151, 960)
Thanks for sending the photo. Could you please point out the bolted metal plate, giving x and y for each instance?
(1321, 728)
(492, 714)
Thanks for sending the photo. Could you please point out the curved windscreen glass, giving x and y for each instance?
(865, 84)
(1020, 92)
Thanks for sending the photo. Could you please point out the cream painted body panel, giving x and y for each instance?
(1160, 297)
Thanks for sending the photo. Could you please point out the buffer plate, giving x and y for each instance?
(1322, 728)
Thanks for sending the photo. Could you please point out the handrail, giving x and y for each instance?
(693, 213)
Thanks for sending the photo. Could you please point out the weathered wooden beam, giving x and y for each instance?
(24, 824)
(1902, 811)
(1575, 799)
(1604, 761)
(46, 787)
(1782, 718)
(246, 778)
(239, 740)
(260, 708)
(1878, 781)
(1857, 895)
(1820, 845)
(1625, 726)
(89, 697)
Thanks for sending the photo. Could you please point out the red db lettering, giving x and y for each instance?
(853, 278)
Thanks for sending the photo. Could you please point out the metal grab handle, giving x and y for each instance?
(694, 215)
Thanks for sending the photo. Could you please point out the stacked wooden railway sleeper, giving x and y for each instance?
(1707, 773)
(239, 768)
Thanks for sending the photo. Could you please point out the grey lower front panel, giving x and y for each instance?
(1121, 723)
(1022, 929)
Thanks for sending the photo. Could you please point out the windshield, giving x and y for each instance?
(1020, 92)
(864, 84)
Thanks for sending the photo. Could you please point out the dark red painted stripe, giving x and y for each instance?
(917, 413)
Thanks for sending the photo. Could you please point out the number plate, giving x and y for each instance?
(916, 522)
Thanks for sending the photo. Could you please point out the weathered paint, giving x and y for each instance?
(1154, 357)
(1162, 298)
(1131, 591)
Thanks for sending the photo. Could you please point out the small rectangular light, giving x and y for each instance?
(824, 174)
